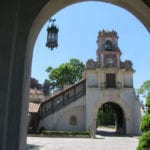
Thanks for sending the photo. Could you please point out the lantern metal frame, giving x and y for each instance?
(52, 35)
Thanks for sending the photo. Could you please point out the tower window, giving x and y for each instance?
(110, 80)
(108, 45)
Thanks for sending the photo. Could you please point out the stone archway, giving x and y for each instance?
(19, 29)
(117, 119)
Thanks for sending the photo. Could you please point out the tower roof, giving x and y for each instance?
(107, 33)
(106, 36)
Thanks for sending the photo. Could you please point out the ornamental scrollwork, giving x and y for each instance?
(90, 64)
(128, 65)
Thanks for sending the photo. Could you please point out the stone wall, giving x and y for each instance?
(125, 98)
(71, 117)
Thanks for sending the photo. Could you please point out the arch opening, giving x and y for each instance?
(110, 120)
(112, 84)
(26, 65)
(108, 85)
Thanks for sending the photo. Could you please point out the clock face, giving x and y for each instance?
(110, 60)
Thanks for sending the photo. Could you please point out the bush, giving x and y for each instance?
(145, 124)
(63, 133)
(105, 118)
(41, 130)
(144, 142)
(148, 103)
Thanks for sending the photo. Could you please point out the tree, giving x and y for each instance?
(78, 67)
(144, 89)
(34, 83)
(105, 116)
(46, 87)
(66, 73)
(144, 142)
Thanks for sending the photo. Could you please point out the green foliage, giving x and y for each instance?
(144, 143)
(105, 118)
(145, 124)
(148, 103)
(145, 88)
(66, 73)
(78, 69)
(41, 130)
(64, 133)
(49, 69)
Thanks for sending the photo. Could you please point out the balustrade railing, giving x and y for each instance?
(118, 85)
(64, 98)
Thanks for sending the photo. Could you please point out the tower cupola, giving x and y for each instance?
(107, 40)
(108, 52)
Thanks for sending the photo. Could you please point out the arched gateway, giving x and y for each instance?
(108, 80)
(116, 118)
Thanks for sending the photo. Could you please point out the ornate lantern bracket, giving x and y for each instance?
(52, 35)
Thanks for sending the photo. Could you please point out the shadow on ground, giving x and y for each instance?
(33, 147)
(106, 133)
(113, 134)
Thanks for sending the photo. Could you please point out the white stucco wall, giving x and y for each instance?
(85, 109)
(128, 80)
(60, 119)
(125, 98)
(92, 79)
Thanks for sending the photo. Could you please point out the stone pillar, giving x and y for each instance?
(13, 103)
(128, 126)
(14, 78)
(17, 17)
(94, 127)
(14, 99)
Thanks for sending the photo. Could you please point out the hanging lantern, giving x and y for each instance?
(52, 35)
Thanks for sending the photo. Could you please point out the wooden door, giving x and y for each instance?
(110, 80)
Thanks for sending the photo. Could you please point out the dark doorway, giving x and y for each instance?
(110, 80)
(110, 120)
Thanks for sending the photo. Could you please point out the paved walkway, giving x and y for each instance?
(100, 143)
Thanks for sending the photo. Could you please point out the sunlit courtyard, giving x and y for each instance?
(98, 143)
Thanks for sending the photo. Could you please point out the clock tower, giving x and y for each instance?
(111, 72)
(109, 81)
(108, 52)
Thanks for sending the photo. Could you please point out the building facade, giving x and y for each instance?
(108, 80)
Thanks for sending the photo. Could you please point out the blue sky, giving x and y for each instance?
(79, 25)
